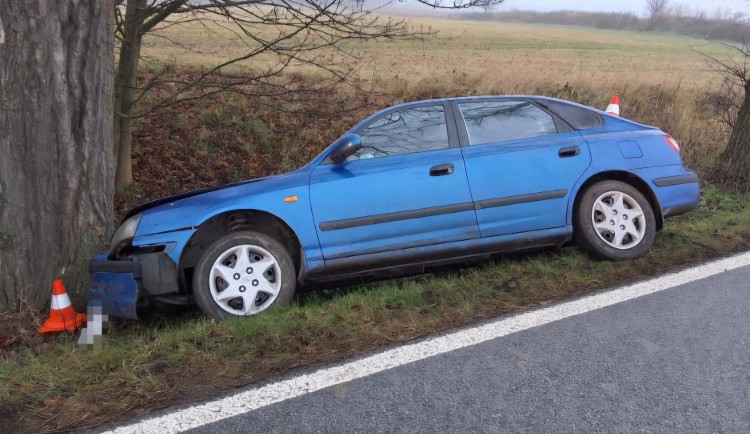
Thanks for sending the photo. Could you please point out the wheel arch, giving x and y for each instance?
(628, 178)
(224, 223)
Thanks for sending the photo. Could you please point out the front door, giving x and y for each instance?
(406, 187)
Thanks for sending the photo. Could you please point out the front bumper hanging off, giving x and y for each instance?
(120, 284)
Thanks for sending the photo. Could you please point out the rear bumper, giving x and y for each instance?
(677, 193)
(119, 285)
(676, 189)
(669, 181)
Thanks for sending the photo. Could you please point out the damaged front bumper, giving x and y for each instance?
(121, 284)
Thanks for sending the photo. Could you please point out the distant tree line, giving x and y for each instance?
(726, 27)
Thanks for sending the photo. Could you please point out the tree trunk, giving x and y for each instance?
(56, 162)
(736, 158)
(125, 87)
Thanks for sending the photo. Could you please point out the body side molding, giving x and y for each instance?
(521, 198)
(440, 210)
(675, 180)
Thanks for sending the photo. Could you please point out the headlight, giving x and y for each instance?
(124, 233)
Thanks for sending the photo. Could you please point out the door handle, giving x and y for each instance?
(569, 151)
(441, 169)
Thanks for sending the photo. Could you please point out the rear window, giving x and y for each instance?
(499, 121)
(579, 118)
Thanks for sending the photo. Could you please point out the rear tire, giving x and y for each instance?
(243, 273)
(614, 220)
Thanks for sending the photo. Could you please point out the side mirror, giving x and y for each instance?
(345, 147)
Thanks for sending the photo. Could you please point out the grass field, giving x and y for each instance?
(48, 384)
(664, 79)
(507, 56)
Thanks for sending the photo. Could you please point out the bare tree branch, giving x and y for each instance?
(159, 14)
(656, 8)
(276, 35)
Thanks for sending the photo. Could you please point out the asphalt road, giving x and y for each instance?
(674, 361)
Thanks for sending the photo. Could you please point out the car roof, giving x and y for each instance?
(488, 97)
(471, 98)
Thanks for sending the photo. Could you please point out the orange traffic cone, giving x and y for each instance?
(61, 315)
(614, 106)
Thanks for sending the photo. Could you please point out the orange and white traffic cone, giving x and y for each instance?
(61, 315)
(614, 106)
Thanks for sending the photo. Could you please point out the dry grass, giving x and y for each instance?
(663, 79)
(513, 58)
(510, 56)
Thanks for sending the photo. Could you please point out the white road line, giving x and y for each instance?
(272, 393)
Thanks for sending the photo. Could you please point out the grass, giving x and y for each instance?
(48, 384)
(663, 80)
(512, 55)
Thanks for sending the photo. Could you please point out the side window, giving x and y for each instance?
(578, 117)
(498, 121)
(404, 132)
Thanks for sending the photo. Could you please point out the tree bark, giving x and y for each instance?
(125, 87)
(736, 157)
(56, 162)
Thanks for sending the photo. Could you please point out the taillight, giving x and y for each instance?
(673, 143)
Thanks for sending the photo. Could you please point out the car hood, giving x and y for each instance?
(175, 197)
(291, 176)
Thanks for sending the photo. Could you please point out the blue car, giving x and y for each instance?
(418, 184)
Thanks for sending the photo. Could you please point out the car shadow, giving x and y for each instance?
(330, 291)
(157, 314)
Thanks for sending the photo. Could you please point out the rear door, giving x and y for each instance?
(522, 163)
(406, 187)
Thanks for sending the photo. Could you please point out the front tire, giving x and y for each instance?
(243, 273)
(614, 221)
